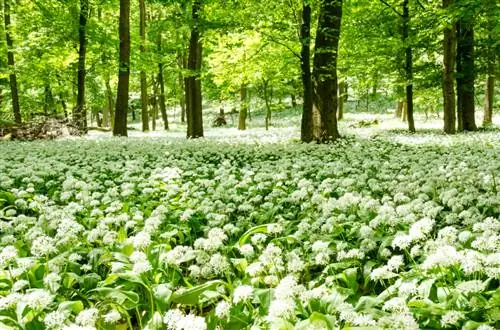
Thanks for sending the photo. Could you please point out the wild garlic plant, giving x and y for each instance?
(159, 234)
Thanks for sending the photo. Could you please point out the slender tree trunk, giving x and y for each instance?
(306, 129)
(182, 64)
(11, 63)
(267, 97)
(293, 98)
(342, 92)
(49, 105)
(449, 55)
(491, 65)
(408, 66)
(80, 112)
(161, 81)
(120, 124)
(325, 68)
(465, 73)
(193, 82)
(109, 101)
(154, 103)
(142, 48)
(242, 121)
(399, 109)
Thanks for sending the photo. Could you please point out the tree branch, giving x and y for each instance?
(270, 37)
(393, 9)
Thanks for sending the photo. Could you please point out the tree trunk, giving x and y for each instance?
(408, 67)
(193, 82)
(242, 121)
(449, 55)
(491, 65)
(405, 111)
(48, 101)
(182, 64)
(11, 63)
(142, 49)
(120, 124)
(306, 129)
(399, 109)
(161, 81)
(268, 103)
(293, 98)
(465, 74)
(342, 92)
(325, 68)
(80, 112)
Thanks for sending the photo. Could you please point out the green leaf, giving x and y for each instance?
(7, 198)
(193, 295)
(127, 299)
(72, 306)
(251, 231)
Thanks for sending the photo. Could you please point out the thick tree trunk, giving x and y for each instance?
(325, 68)
(306, 129)
(408, 66)
(193, 82)
(242, 120)
(491, 65)
(449, 55)
(80, 112)
(120, 124)
(11, 63)
(161, 81)
(142, 48)
(465, 74)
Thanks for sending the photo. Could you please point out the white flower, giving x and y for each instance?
(52, 281)
(172, 318)
(112, 317)
(283, 309)
(42, 246)
(141, 240)
(247, 250)
(470, 286)
(38, 298)
(87, 317)
(242, 293)
(395, 262)
(451, 318)
(55, 320)
(222, 309)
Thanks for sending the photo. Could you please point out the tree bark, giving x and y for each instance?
(342, 95)
(143, 79)
(399, 109)
(80, 112)
(465, 74)
(408, 66)
(242, 120)
(120, 124)
(449, 55)
(491, 65)
(325, 69)
(193, 82)
(161, 81)
(306, 129)
(267, 101)
(11, 63)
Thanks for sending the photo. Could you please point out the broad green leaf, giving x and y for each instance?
(251, 231)
(193, 295)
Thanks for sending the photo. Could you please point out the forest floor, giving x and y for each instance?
(249, 230)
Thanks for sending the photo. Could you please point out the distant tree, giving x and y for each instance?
(11, 63)
(80, 112)
(306, 132)
(144, 84)
(120, 125)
